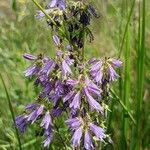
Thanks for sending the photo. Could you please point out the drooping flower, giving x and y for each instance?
(113, 76)
(115, 62)
(69, 96)
(31, 106)
(40, 14)
(76, 101)
(49, 65)
(84, 18)
(56, 40)
(73, 123)
(98, 131)
(88, 143)
(47, 121)
(78, 124)
(77, 137)
(49, 135)
(65, 68)
(21, 123)
(105, 70)
(35, 114)
(93, 103)
(87, 88)
(32, 70)
(30, 57)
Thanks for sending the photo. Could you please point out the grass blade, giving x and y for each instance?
(136, 143)
(12, 112)
(126, 28)
(115, 97)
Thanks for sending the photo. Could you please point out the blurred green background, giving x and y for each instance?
(20, 32)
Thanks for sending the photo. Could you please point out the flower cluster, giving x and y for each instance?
(67, 82)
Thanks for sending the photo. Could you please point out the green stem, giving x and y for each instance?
(126, 28)
(115, 97)
(47, 16)
(140, 83)
(12, 112)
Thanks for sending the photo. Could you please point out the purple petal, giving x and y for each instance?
(73, 123)
(47, 88)
(93, 103)
(57, 112)
(99, 132)
(88, 144)
(113, 76)
(48, 67)
(52, 4)
(56, 40)
(47, 141)
(71, 82)
(35, 114)
(77, 137)
(31, 106)
(21, 123)
(97, 66)
(29, 57)
(47, 120)
(94, 89)
(65, 68)
(116, 62)
(33, 70)
(69, 96)
(69, 61)
(76, 101)
(61, 4)
(49, 135)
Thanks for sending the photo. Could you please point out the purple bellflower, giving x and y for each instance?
(103, 69)
(67, 82)
(21, 123)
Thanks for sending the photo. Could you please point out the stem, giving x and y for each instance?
(126, 28)
(115, 97)
(12, 112)
(83, 49)
(48, 17)
(140, 82)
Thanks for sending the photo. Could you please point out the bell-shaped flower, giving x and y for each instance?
(21, 123)
(98, 131)
(88, 143)
(35, 114)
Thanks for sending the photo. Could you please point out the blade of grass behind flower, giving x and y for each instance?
(136, 143)
(126, 27)
(126, 95)
(12, 112)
